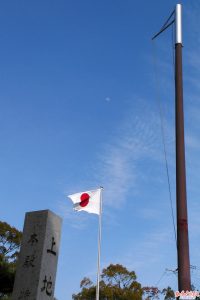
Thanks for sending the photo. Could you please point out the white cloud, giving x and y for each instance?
(137, 140)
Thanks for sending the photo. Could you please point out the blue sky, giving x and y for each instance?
(78, 111)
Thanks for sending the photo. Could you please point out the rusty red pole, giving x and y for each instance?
(184, 281)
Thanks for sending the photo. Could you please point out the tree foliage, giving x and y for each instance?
(150, 293)
(10, 239)
(168, 293)
(117, 283)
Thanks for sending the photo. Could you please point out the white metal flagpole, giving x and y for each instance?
(99, 247)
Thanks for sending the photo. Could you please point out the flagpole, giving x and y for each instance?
(99, 247)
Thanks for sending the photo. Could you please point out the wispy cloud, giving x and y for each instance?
(137, 140)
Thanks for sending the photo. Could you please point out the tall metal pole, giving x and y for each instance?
(184, 281)
(99, 247)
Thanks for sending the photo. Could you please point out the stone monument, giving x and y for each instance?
(37, 264)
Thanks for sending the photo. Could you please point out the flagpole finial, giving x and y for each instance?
(178, 20)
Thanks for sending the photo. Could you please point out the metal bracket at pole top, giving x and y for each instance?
(178, 21)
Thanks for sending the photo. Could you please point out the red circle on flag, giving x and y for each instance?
(84, 199)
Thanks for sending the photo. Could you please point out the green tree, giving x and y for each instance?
(150, 293)
(117, 283)
(10, 239)
(168, 293)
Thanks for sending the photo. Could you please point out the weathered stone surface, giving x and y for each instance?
(36, 270)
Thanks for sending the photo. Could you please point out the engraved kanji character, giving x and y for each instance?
(47, 286)
(52, 245)
(33, 239)
(29, 261)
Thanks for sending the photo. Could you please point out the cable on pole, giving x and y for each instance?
(164, 143)
(165, 26)
(161, 277)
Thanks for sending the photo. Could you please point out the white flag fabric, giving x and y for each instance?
(88, 201)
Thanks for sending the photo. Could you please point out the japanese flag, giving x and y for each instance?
(89, 201)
